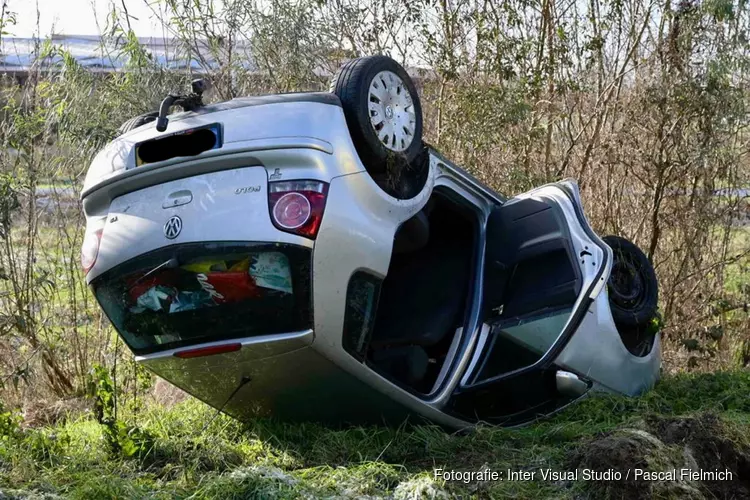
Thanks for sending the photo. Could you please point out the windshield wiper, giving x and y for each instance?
(168, 264)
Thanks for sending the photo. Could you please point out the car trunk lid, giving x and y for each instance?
(228, 205)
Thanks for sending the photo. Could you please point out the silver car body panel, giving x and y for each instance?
(597, 353)
(280, 376)
(299, 139)
(135, 222)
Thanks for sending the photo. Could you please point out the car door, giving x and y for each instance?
(543, 267)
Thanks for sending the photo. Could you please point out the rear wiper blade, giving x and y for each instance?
(168, 264)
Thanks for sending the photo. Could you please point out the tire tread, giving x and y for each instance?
(642, 316)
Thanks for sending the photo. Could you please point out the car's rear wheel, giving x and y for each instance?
(384, 116)
(632, 286)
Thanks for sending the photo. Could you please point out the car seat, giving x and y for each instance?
(421, 300)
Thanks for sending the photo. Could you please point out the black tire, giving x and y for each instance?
(639, 341)
(632, 286)
(352, 85)
(137, 121)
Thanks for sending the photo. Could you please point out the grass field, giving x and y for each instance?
(695, 421)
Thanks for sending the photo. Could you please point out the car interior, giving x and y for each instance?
(423, 299)
(530, 285)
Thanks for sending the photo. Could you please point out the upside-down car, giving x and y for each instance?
(307, 257)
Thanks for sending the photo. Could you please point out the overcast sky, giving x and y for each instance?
(78, 17)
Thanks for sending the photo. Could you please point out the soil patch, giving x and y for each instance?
(404, 180)
(664, 444)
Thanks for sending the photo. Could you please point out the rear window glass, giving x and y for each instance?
(195, 293)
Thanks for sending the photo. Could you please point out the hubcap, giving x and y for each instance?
(391, 111)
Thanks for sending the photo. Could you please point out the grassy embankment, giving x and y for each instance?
(698, 421)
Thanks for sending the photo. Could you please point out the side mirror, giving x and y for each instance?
(570, 384)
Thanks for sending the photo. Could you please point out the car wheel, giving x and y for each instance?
(639, 340)
(632, 286)
(137, 121)
(382, 110)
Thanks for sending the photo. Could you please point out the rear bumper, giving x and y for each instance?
(253, 349)
(310, 121)
(288, 380)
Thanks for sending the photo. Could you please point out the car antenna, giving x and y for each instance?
(244, 381)
(189, 102)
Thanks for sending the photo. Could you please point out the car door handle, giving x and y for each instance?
(178, 198)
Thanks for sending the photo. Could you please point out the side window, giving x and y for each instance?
(519, 342)
(359, 318)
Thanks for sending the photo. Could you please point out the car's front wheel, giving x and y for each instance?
(633, 287)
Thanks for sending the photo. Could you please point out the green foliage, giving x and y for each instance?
(267, 459)
(9, 423)
(9, 204)
(721, 10)
(45, 445)
(122, 439)
(655, 325)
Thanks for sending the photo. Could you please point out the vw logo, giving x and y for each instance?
(173, 227)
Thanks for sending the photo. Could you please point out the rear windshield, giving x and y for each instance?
(194, 293)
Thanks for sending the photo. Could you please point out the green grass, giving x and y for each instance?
(267, 459)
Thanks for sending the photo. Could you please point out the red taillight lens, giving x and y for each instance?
(90, 249)
(208, 351)
(297, 206)
(292, 210)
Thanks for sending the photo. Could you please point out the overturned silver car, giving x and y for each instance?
(307, 257)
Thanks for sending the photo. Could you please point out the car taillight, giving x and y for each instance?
(297, 206)
(90, 249)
